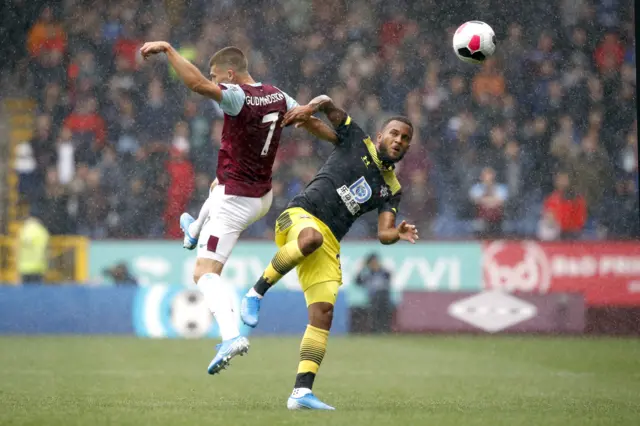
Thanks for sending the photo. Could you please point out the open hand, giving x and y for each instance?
(298, 115)
(407, 232)
(153, 47)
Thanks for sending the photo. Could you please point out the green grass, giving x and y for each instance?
(405, 380)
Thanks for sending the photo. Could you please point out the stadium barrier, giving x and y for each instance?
(602, 277)
(156, 311)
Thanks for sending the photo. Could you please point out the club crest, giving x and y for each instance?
(361, 190)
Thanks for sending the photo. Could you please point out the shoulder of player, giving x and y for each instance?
(392, 182)
(231, 87)
(353, 129)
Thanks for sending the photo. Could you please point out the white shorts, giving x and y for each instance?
(229, 215)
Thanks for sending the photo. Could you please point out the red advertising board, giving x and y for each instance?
(606, 273)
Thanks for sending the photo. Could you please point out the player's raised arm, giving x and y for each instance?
(388, 233)
(322, 103)
(319, 129)
(313, 125)
(188, 73)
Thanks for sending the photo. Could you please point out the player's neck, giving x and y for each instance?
(245, 79)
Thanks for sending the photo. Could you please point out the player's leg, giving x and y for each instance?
(192, 227)
(305, 241)
(320, 300)
(213, 249)
(320, 277)
(297, 236)
(229, 216)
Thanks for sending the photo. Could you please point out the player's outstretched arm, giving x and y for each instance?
(388, 233)
(322, 103)
(319, 129)
(189, 73)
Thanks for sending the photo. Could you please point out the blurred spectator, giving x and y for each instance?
(181, 177)
(517, 166)
(93, 208)
(545, 52)
(52, 207)
(46, 35)
(489, 198)
(120, 275)
(609, 54)
(33, 240)
(489, 82)
(135, 213)
(48, 67)
(512, 53)
(199, 128)
(593, 173)
(53, 105)
(458, 97)
(110, 171)
(157, 117)
(83, 74)
(564, 210)
(88, 129)
(578, 49)
(493, 155)
(42, 145)
(395, 90)
(127, 45)
(625, 223)
(377, 281)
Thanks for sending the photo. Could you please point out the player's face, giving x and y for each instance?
(222, 75)
(394, 141)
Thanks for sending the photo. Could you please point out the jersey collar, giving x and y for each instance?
(373, 151)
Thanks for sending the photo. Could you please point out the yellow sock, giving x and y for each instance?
(312, 350)
(285, 260)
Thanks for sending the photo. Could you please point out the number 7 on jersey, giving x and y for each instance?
(273, 119)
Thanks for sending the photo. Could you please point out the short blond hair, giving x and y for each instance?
(231, 57)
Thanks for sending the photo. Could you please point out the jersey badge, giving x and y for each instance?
(384, 191)
(361, 190)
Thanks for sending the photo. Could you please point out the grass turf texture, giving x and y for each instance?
(405, 380)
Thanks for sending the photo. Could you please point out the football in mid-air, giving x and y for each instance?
(474, 41)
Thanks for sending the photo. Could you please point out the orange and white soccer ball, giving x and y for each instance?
(474, 42)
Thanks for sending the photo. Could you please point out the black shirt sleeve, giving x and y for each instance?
(391, 204)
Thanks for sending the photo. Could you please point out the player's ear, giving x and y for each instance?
(378, 137)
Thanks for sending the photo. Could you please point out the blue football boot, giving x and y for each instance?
(250, 310)
(306, 402)
(189, 241)
(227, 350)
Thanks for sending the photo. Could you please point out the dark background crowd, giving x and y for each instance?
(540, 141)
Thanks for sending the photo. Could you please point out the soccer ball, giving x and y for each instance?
(474, 41)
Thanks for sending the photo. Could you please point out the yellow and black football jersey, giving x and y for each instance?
(352, 182)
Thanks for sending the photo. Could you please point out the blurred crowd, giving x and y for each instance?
(540, 141)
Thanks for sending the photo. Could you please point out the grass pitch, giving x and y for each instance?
(404, 380)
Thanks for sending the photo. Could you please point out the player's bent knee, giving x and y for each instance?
(206, 266)
(309, 241)
(321, 315)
